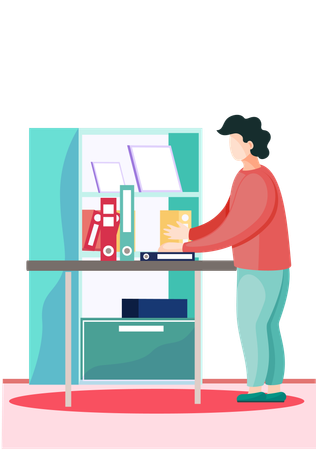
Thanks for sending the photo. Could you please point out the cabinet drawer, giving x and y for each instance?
(137, 350)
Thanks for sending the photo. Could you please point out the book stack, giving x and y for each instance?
(154, 308)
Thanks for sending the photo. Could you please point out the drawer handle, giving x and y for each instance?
(141, 328)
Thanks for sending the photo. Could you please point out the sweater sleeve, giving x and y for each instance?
(208, 227)
(252, 209)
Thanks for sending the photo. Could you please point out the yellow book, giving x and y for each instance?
(171, 218)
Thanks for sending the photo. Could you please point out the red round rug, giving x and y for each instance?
(147, 401)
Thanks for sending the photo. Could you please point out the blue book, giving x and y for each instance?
(164, 256)
(154, 308)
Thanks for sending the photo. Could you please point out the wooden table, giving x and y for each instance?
(77, 266)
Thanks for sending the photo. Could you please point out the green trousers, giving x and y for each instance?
(261, 296)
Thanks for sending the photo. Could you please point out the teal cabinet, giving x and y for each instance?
(57, 198)
(137, 350)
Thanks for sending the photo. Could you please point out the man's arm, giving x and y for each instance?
(209, 227)
(251, 211)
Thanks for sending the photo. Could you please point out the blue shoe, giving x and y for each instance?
(256, 397)
(276, 397)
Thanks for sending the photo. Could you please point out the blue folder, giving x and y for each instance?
(154, 308)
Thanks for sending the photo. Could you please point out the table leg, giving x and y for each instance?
(68, 339)
(197, 338)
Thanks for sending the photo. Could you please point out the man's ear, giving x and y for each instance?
(250, 143)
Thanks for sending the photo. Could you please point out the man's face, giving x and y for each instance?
(238, 148)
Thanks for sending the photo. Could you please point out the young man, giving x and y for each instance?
(253, 223)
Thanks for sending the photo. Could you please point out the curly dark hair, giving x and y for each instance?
(250, 129)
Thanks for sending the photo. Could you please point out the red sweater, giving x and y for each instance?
(253, 222)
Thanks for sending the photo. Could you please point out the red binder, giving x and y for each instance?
(93, 232)
(110, 221)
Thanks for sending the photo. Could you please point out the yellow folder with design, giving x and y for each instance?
(171, 218)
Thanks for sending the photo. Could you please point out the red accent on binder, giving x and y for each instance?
(110, 221)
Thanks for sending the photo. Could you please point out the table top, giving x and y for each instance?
(78, 266)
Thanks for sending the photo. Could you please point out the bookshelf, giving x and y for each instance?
(177, 284)
(143, 194)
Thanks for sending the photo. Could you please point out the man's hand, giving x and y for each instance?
(180, 232)
(170, 247)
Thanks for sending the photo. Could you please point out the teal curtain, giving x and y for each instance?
(53, 228)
